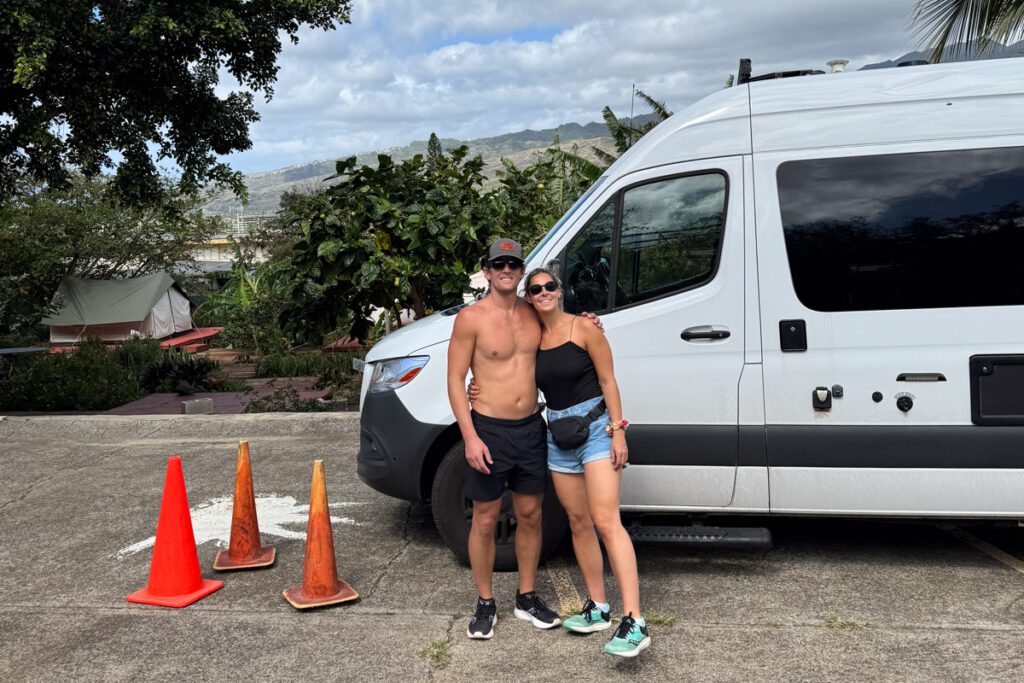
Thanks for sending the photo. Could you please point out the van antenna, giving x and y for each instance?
(632, 98)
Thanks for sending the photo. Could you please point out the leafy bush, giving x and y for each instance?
(286, 400)
(180, 371)
(91, 378)
(138, 356)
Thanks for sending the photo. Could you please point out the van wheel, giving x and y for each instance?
(453, 514)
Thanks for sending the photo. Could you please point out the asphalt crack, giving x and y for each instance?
(406, 542)
(28, 492)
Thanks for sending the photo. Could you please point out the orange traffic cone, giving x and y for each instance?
(174, 576)
(244, 550)
(320, 582)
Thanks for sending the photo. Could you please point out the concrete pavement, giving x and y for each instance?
(79, 497)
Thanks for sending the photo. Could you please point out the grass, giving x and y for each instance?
(438, 653)
(658, 618)
(834, 621)
(306, 364)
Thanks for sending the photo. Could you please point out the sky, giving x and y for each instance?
(476, 68)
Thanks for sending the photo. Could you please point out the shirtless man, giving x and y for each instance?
(504, 433)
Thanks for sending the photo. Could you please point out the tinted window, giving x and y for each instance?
(928, 230)
(587, 264)
(670, 236)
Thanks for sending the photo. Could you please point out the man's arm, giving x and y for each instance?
(460, 355)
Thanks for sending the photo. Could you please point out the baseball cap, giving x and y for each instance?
(505, 248)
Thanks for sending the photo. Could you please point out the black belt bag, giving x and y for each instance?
(573, 431)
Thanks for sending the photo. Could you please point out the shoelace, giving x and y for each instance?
(625, 627)
(484, 611)
(539, 605)
(588, 611)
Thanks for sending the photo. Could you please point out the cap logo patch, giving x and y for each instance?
(506, 246)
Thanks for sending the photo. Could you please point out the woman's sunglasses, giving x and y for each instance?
(550, 285)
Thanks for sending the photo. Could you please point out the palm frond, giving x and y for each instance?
(623, 133)
(603, 156)
(965, 25)
(656, 106)
(584, 167)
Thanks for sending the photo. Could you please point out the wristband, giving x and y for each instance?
(612, 426)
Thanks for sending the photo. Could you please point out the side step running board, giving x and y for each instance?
(757, 538)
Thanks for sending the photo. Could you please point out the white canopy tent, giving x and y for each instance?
(113, 310)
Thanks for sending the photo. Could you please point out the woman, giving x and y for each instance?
(574, 370)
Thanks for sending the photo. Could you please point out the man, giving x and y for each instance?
(504, 433)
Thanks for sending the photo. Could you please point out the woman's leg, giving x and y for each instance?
(602, 484)
(572, 494)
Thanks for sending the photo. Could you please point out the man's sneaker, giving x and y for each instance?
(630, 639)
(529, 606)
(589, 619)
(481, 626)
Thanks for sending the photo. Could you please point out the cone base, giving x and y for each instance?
(298, 600)
(144, 597)
(224, 563)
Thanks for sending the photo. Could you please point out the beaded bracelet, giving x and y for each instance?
(612, 426)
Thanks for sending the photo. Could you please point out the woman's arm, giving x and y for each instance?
(601, 354)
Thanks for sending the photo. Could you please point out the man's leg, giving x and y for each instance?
(481, 545)
(528, 537)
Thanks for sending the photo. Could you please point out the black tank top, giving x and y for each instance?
(566, 375)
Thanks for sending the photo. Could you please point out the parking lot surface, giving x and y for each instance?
(79, 499)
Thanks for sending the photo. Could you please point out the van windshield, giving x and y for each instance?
(568, 214)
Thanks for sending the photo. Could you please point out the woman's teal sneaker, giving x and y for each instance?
(589, 619)
(630, 639)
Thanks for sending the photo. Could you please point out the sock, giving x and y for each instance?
(640, 621)
(488, 601)
(603, 606)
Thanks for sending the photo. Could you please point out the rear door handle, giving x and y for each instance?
(705, 333)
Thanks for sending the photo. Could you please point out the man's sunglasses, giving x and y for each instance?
(500, 264)
(550, 285)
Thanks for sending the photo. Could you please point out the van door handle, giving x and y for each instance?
(705, 333)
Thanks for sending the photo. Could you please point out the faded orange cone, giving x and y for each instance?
(320, 583)
(244, 550)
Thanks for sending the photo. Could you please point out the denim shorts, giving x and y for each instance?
(598, 445)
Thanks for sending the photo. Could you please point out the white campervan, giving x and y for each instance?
(814, 290)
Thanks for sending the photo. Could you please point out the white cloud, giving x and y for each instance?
(466, 68)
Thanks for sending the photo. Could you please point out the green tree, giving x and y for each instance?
(396, 236)
(968, 25)
(94, 84)
(46, 234)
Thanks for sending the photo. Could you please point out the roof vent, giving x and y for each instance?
(914, 62)
(837, 66)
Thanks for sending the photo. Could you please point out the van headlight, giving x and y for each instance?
(390, 374)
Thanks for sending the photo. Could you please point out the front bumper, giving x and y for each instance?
(393, 446)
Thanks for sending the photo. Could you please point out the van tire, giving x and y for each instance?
(453, 514)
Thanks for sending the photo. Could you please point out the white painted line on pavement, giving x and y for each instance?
(995, 553)
(211, 521)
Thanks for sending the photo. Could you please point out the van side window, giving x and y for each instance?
(670, 236)
(586, 274)
(903, 231)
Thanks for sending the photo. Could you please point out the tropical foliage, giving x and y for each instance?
(968, 25)
(402, 236)
(625, 133)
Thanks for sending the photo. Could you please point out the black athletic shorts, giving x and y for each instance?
(519, 449)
